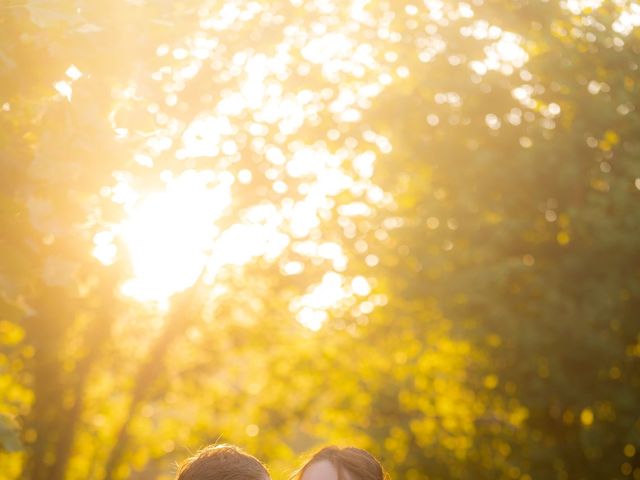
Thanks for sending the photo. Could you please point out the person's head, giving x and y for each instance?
(222, 462)
(335, 463)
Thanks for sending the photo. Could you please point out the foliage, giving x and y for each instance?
(466, 173)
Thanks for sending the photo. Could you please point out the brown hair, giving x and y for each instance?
(222, 462)
(349, 462)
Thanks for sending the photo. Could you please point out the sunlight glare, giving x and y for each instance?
(578, 6)
(169, 233)
(311, 309)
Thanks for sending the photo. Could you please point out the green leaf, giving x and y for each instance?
(9, 434)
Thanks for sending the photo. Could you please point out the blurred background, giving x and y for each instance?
(407, 226)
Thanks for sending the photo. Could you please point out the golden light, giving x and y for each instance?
(312, 308)
(169, 234)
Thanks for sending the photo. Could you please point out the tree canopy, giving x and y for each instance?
(407, 226)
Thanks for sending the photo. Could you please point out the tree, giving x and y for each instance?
(516, 196)
(445, 192)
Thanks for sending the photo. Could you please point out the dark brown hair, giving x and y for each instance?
(222, 462)
(349, 462)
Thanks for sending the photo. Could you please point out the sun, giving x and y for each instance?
(169, 234)
(172, 236)
(171, 239)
